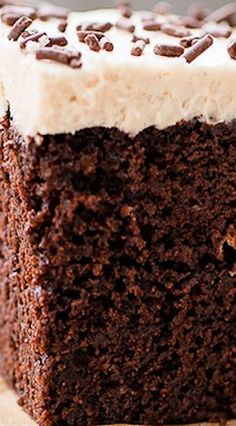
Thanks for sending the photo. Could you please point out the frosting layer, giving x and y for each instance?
(114, 89)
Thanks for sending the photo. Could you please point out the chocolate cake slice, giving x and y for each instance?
(118, 214)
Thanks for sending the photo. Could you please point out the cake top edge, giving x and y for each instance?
(56, 35)
(65, 71)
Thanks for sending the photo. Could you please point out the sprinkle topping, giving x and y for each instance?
(106, 44)
(20, 25)
(92, 41)
(10, 13)
(136, 38)
(31, 37)
(103, 28)
(57, 41)
(83, 34)
(138, 48)
(9, 18)
(152, 25)
(125, 25)
(125, 10)
(168, 50)
(63, 26)
(198, 48)
(31, 12)
(197, 11)
(73, 59)
(175, 31)
(188, 42)
(190, 22)
(224, 14)
(217, 30)
(232, 49)
(196, 31)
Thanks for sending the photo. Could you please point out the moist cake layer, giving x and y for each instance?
(51, 98)
(118, 257)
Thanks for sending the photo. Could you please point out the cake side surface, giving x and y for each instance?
(12, 415)
(132, 298)
(23, 313)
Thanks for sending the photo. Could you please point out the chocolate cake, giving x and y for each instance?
(118, 214)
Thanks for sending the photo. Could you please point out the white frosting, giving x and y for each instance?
(114, 88)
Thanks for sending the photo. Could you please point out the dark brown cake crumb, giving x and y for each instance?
(118, 275)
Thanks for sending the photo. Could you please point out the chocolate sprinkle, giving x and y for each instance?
(10, 14)
(190, 22)
(92, 41)
(9, 18)
(136, 38)
(83, 34)
(217, 30)
(175, 31)
(125, 10)
(62, 26)
(26, 33)
(198, 48)
(57, 41)
(138, 48)
(20, 10)
(152, 25)
(18, 28)
(226, 13)
(31, 37)
(168, 50)
(73, 59)
(52, 41)
(197, 11)
(232, 49)
(125, 25)
(49, 11)
(190, 41)
(102, 28)
(106, 44)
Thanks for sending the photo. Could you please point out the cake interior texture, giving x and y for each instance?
(118, 274)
